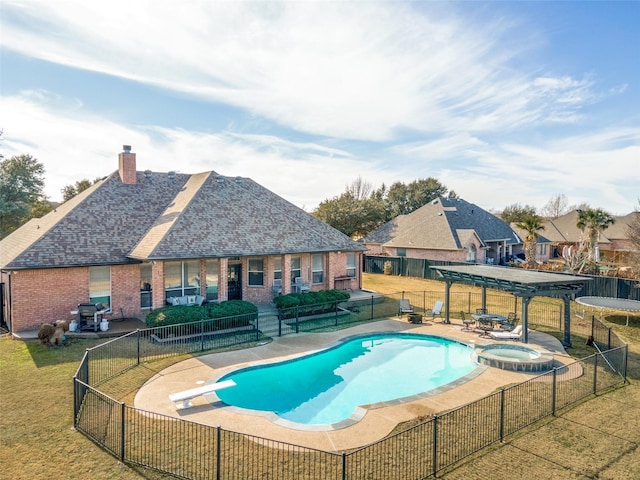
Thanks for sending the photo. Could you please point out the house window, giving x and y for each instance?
(145, 285)
(317, 268)
(296, 269)
(277, 268)
(256, 272)
(401, 252)
(212, 280)
(471, 253)
(100, 285)
(542, 248)
(182, 278)
(351, 265)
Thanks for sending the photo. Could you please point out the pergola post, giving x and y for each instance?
(525, 319)
(484, 298)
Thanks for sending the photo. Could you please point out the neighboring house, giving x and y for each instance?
(544, 246)
(448, 229)
(135, 239)
(614, 245)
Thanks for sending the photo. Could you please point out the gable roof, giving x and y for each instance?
(564, 229)
(443, 224)
(167, 216)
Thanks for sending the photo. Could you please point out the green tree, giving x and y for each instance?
(351, 215)
(517, 213)
(592, 222)
(403, 199)
(70, 191)
(532, 226)
(21, 188)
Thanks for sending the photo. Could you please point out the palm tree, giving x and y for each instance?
(592, 222)
(531, 225)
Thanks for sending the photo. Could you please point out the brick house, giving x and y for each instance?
(134, 239)
(614, 245)
(448, 229)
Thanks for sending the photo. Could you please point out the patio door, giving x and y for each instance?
(234, 281)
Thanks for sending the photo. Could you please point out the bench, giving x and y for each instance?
(187, 395)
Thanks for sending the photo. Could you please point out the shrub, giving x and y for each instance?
(180, 314)
(310, 298)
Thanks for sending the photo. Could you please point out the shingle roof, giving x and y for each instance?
(443, 224)
(168, 216)
(564, 229)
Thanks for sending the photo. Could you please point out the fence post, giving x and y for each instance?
(371, 318)
(593, 326)
(609, 339)
(344, 466)
(202, 335)
(257, 326)
(553, 392)
(595, 373)
(435, 445)
(502, 414)
(122, 433)
(297, 319)
(138, 335)
(336, 319)
(218, 452)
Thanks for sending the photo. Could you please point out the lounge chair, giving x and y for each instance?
(511, 322)
(404, 307)
(277, 286)
(301, 286)
(437, 310)
(514, 334)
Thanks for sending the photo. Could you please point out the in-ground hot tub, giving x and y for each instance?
(516, 357)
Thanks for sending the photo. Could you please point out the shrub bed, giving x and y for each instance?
(180, 314)
(311, 303)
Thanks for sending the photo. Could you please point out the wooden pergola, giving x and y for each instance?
(525, 284)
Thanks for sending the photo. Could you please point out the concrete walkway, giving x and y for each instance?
(377, 421)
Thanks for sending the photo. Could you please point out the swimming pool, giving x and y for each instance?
(328, 386)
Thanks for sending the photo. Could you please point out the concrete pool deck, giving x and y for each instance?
(376, 423)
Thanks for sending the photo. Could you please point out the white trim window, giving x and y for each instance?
(317, 268)
(351, 265)
(182, 278)
(256, 272)
(296, 268)
(211, 279)
(277, 268)
(100, 285)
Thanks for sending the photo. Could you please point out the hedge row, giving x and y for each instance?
(310, 298)
(179, 314)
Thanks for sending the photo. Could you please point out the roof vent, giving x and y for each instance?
(220, 179)
(126, 148)
(238, 179)
(171, 174)
(435, 202)
(147, 174)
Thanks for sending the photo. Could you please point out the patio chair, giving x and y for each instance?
(404, 307)
(468, 322)
(511, 322)
(481, 311)
(437, 310)
(515, 334)
(301, 286)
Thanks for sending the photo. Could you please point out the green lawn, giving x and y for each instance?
(597, 439)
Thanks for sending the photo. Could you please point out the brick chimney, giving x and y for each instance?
(127, 166)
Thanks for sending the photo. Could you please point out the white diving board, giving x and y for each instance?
(187, 395)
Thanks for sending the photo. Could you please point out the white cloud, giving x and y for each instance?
(358, 70)
(73, 144)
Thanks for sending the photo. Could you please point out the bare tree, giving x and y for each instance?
(555, 207)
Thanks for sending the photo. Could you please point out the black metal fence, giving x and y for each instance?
(191, 450)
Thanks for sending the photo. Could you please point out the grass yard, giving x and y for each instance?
(597, 439)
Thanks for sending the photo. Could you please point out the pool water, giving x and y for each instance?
(326, 387)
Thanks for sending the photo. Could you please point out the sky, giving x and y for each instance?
(502, 102)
